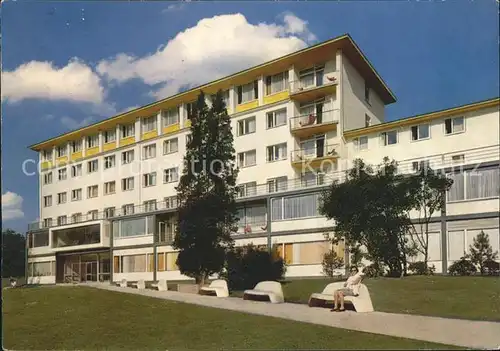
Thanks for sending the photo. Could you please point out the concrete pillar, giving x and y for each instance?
(159, 123)
(84, 147)
(260, 84)
(138, 130)
(118, 135)
(444, 241)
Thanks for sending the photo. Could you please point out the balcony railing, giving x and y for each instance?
(307, 154)
(312, 82)
(437, 161)
(314, 119)
(251, 227)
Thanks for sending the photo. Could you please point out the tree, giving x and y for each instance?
(370, 208)
(481, 251)
(427, 189)
(207, 192)
(13, 254)
(331, 262)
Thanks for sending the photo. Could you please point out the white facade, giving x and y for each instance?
(138, 245)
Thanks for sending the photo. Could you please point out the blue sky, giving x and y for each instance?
(70, 64)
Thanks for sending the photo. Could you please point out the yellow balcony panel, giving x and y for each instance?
(92, 151)
(171, 128)
(109, 146)
(76, 155)
(127, 141)
(308, 125)
(321, 158)
(313, 93)
(61, 161)
(187, 123)
(271, 99)
(46, 165)
(247, 106)
(150, 135)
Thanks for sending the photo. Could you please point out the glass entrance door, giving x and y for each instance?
(91, 271)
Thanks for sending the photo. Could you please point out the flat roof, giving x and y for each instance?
(301, 59)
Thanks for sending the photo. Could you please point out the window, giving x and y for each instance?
(367, 93)
(128, 183)
(62, 220)
(43, 269)
(109, 188)
(92, 141)
(248, 92)
(292, 207)
(61, 198)
(76, 194)
(127, 131)
(62, 174)
(171, 202)
(276, 83)
(247, 189)
(457, 159)
(276, 118)
(47, 201)
(92, 191)
(311, 77)
(309, 253)
(128, 209)
(420, 132)
(225, 98)
(312, 179)
(133, 263)
(92, 166)
(76, 146)
(251, 218)
(47, 178)
(170, 117)
(475, 184)
(247, 159)
(109, 161)
(191, 110)
(148, 124)
(149, 179)
(361, 143)
(246, 126)
(76, 217)
(47, 155)
(277, 184)
(109, 136)
(170, 175)
(61, 150)
(368, 120)
(417, 166)
(133, 226)
(170, 146)
(76, 170)
(109, 212)
(93, 215)
(454, 125)
(150, 205)
(389, 138)
(149, 151)
(47, 222)
(127, 157)
(276, 152)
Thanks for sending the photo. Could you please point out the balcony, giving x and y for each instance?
(315, 157)
(88, 236)
(317, 123)
(311, 87)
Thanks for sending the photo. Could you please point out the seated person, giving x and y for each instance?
(351, 288)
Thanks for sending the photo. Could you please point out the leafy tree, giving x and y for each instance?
(427, 189)
(462, 267)
(206, 192)
(370, 208)
(331, 262)
(481, 251)
(13, 254)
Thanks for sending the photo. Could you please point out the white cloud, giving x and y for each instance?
(173, 8)
(12, 206)
(213, 48)
(42, 80)
(72, 123)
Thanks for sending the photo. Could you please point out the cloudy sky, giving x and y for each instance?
(68, 65)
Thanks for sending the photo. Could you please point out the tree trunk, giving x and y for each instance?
(200, 280)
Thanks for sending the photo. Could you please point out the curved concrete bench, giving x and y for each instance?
(161, 285)
(140, 284)
(270, 289)
(122, 283)
(218, 286)
(362, 302)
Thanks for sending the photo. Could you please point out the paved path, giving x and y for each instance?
(470, 334)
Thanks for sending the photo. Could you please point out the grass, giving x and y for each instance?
(474, 298)
(59, 317)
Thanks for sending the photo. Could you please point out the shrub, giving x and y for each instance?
(374, 270)
(331, 262)
(481, 251)
(492, 267)
(421, 268)
(246, 266)
(462, 267)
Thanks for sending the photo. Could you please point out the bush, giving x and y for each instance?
(421, 268)
(246, 266)
(374, 270)
(331, 262)
(462, 267)
(481, 251)
(492, 267)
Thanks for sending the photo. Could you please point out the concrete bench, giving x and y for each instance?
(361, 303)
(218, 286)
(161, 285)
(271, 289)
(140, 284)
(122, 283)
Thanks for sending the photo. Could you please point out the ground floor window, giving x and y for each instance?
(308, 252)
(167, 261)
(42, 269)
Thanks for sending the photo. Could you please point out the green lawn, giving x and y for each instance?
(444, 296)
(84, 318)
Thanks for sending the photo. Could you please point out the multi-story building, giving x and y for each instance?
(107, 191)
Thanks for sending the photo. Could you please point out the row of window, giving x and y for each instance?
(419, 132)
(166, 261)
